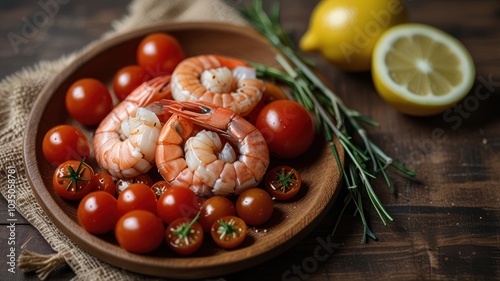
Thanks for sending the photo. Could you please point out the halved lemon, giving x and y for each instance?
(421, 70)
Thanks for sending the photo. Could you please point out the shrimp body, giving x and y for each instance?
(125, 141)
(191, 152)
(223, 81)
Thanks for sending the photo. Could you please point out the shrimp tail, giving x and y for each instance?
(200, 113)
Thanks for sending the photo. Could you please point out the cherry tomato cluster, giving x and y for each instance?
(157, 54)
(177, 216)
(167, 213)
(88, 100)
(139, 208)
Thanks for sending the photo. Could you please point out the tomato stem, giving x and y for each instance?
(75, 176)
(285, 179)
(183, 230)
(226, 228)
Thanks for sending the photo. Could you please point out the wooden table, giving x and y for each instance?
(446, 223)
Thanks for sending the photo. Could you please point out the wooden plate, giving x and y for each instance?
(291, 221)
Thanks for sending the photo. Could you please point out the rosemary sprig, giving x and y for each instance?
(364, 159)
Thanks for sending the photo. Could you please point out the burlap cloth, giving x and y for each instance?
(19, 91)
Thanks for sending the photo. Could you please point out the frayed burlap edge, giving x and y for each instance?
(17, 95)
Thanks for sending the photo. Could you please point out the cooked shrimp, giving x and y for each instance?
(223, 81)
(190, 152)
(125, 141)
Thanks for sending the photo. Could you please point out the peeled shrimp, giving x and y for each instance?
(191, 153)
(125, 141)
(223, 81)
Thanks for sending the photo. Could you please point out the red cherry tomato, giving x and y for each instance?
(71, 179)
(184, 236)
(283, 182)
(177, 202)
(64, 142)
(104, 182)
(139, 231)
(287, 127)
(97, 212)
(213, 209)
(159, 54)
(228, 232)
(255, 206)
(127, 79)
(137, 196)
(88, 101)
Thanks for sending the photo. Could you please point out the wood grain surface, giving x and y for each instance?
(446, 223)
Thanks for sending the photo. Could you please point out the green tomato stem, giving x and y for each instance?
(183, 230)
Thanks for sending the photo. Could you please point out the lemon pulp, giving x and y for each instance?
(421, 70)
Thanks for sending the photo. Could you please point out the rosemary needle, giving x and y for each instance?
(365, 160)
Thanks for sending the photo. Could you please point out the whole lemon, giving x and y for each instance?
(345, 31)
